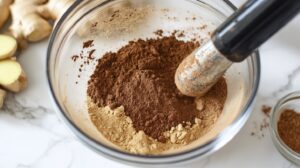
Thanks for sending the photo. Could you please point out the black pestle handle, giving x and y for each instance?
(251, 25)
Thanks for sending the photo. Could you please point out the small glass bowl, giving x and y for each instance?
(290, 101)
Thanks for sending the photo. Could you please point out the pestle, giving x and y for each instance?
(232, 42)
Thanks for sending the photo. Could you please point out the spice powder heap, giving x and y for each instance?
(289, 129)
(134, 101)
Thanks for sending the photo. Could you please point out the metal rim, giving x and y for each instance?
(103, 149)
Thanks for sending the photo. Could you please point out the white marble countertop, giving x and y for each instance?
(31, 136)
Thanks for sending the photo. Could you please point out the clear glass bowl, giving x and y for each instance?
(290, 101)
(69, 91)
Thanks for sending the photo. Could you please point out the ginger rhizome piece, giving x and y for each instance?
(27, 23)
(8, 46)
(2, 97)
(30, 23)
(12, 76)
(54, 9)
(30, 18)
(4, 11)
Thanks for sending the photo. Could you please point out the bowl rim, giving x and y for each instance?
(283, 148)
(105, 149)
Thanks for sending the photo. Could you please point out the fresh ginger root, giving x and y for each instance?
(2, 97)
(4, 8)
(30, 18)
(27, 23)
(54, 9)
(8, 46)
(12, 77)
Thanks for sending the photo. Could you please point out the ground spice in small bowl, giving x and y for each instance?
(289, 129)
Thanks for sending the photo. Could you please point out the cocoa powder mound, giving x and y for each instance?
(140, 77)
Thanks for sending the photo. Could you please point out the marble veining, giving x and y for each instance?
(21, 110)
(289, 83)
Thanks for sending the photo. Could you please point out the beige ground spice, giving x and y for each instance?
(118, 128)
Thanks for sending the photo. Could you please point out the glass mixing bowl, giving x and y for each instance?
(85, 20)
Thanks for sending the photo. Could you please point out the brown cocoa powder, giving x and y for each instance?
(74, 58)
(266, 110)
(140, 77)
(88, 44)
(85, 57)
(289, 129)
(159, 32)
